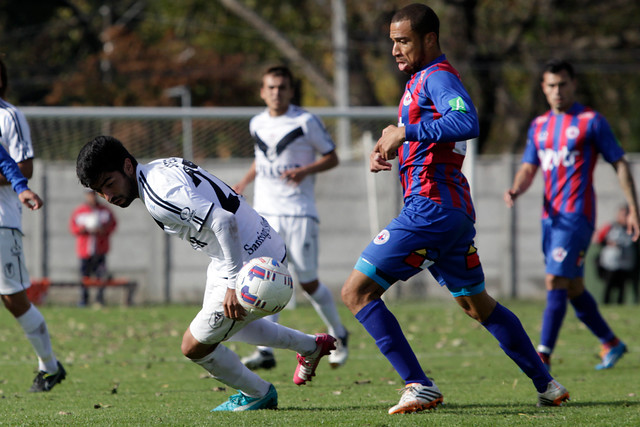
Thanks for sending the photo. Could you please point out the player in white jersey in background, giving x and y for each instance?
(14, 278)
(188, 202)
(288, 140)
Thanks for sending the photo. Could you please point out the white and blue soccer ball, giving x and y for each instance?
(264, 286)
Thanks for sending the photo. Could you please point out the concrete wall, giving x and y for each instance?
(143, 253)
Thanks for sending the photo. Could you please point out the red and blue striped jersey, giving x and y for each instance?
(439, 118)
(566, 147)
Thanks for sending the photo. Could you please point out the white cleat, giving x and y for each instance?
(417, 397)
(555, 395)
(338, 357)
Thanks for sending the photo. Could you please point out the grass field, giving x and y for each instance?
(125, 368)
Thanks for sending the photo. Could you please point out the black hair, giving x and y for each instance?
(422, 18)
(281, 71)
(101, 155)
(284, 71)
(555, 66)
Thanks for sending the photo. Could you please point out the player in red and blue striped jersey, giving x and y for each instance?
(436, 109)
(565, 143)
(435, 228)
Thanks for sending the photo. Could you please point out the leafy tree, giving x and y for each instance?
(93, 52)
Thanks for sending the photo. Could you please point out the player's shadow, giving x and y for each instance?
(511, 408)
(489, 408)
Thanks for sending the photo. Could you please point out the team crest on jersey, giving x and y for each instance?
(542, 136)
(382, 237)
(217, 318)
(187, 214)
(559, 254)
(572, 132)
(580, 260)
(406, 100)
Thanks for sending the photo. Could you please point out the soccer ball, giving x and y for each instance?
(264, 286)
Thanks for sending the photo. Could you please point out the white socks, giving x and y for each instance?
(225, 366)
(322, 301)
(35, 328)
(266, 334)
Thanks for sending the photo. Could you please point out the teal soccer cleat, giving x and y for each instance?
(241, 402)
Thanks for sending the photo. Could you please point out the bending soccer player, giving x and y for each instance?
(565, 143)
(435, 228)
(190, 203)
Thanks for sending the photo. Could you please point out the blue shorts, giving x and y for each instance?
(426, 235)
(565, 240)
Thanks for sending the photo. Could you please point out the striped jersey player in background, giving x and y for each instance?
(435, 228)
(188, 202)
(291, 147)
(564, 143)
(15, 138)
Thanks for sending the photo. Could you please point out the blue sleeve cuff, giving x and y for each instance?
(411, 132)
(20, 185)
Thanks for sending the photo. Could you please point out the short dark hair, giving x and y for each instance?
(422, 18)
(280, 71)
(3, 78)
(101, 155)
(555, 66)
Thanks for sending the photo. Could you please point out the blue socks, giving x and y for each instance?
(552, 318)
(588, 313)
(382, 325)
(514, 341)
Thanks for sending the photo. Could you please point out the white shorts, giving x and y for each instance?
(14, 277)
(300, 234)
(210, 326)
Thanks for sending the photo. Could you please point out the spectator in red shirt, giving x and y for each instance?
(92, 223)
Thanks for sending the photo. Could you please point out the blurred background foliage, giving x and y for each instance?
(126, 53)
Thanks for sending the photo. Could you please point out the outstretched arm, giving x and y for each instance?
(629, 189)
(521, 183)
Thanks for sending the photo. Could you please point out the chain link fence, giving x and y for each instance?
(58, 133)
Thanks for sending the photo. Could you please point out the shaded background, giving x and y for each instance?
(89, 53)
(127, 53)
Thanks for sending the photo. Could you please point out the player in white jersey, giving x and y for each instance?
(188, 202)
(14, 278)
(291, 146)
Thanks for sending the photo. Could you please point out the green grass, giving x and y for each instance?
(125, 368)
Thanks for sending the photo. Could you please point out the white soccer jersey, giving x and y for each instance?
(16, 139)
(189, 202)
(281, 143)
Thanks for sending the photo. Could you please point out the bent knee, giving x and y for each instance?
(194, 349)
(359, 290)
(188, 349)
